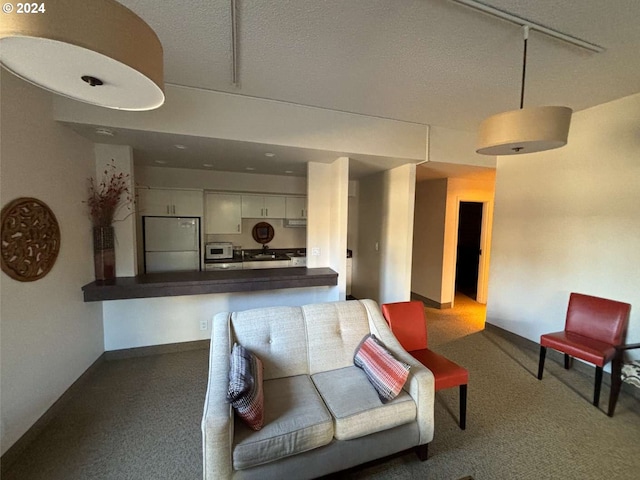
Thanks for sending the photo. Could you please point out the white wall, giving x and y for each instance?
(428, 239)
(327, 218)
(339, 221)
(49, 335)
(164, 320)
(204, 113)
(568, 220)
(455, 146)
(367, 259)
(221, 181)
(385, 233)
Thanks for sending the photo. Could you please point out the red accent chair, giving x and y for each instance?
(595, 332)
(408, 323)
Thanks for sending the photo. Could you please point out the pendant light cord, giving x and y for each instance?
(524, 64)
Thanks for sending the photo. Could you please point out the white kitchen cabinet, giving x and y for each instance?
(296, 207)
(223, 213)
(168, 202)
(263, 206)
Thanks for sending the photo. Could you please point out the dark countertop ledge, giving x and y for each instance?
(200, 283)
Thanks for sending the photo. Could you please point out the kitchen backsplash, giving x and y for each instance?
(282, 238)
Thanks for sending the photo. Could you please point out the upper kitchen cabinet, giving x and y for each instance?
(263, 206)
(223, 213)
(296, 207)
(166, 202)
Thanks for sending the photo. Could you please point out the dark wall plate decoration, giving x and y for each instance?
(30, 239)
(262, 232)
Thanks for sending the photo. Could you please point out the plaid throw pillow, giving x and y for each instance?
(245, 387)
(385, 373)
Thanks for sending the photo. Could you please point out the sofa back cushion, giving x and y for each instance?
(277, 336)
(334, 331)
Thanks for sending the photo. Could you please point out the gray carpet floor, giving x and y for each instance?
(139, 418)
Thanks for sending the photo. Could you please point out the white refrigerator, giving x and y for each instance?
(171, 244)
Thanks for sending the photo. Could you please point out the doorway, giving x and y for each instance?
(469, 248)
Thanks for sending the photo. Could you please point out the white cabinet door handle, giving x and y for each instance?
(168, 212)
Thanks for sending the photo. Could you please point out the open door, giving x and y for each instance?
(469, 249)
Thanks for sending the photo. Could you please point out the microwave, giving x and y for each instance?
(218, 250)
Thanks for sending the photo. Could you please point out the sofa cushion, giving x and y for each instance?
(355, 406)
(334, 330)
(387, 374)
(296, 420)
(245, 386)
(277, 336)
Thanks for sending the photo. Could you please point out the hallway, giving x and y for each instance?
(465, 318)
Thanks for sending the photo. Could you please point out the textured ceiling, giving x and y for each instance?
(428, 61)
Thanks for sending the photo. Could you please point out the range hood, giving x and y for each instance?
(295, 222)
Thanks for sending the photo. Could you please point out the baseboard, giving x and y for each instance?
(584, 368)
(19, 446)
(430, 303)
(156, 350)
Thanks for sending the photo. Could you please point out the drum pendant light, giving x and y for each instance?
(526, 130)
(97, 51)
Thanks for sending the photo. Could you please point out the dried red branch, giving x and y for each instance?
(107, 197)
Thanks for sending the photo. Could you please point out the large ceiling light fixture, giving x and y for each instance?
(526, 130)
(97, 51)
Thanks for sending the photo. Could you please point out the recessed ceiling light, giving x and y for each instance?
(249, 168)
(180, 146)
(160, 162)
(288, 171)
(105, 132)
(207, 165)
(269, 154)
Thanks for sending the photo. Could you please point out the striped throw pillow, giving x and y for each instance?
(385, 373)
(245, 387)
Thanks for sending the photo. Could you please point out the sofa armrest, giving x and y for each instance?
(420, 383)
(217, 420)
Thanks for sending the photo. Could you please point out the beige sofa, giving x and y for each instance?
(321, 413)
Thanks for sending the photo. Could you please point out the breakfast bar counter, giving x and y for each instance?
(199, 283)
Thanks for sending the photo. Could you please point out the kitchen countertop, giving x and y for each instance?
(199, 283)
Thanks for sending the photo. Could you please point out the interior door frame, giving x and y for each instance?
(485, 246)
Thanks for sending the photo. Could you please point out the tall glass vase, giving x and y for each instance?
(104, 253)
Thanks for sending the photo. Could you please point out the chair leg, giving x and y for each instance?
(543, 353)
(616, 383)
(568, 361)
(463, 407)
(596, 392)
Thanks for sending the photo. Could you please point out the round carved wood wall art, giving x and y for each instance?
(30, 239)
(262, 232)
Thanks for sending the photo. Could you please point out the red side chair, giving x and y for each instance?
(408, 324)
(594, 331)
